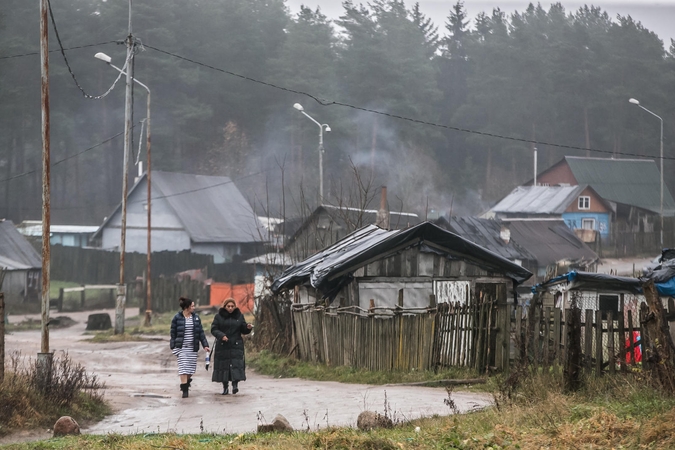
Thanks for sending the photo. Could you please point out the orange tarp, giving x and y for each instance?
(241, 293)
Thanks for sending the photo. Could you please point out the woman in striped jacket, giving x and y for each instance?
(186, 334)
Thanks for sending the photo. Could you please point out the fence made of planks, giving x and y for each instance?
(609, 340)
(397, 338)
(486, 337)
(167, 291)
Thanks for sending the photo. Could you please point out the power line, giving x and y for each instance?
(399, 117)
(54, 51)
(72, 74)
(175, 194)
(64, 159)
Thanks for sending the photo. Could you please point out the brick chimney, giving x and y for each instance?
(382, 220)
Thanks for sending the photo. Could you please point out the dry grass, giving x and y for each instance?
(29, 400)
(534, 413)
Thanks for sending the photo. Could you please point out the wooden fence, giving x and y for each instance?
(608, 340)
(483, 337)
(167, 291)
(96, 266)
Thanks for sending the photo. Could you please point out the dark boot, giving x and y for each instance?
(235, 387)
(225, 389)
(184, 387)
(189, 383)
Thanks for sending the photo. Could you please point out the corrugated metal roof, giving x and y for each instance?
(331, 268)
(550, 241)
(350, 218)
(486, 233)
(16, 251)
(634, 182)
(538, 199)
(34, 228)
(210, 208)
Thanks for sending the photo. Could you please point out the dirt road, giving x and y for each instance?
(142, 386)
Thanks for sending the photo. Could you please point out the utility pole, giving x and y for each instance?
(44, 358)
(148, 292)
(121, 287)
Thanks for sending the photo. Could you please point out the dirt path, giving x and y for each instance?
(142, 386)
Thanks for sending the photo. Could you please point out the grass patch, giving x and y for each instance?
(36, 324)
(28, 400)
(268, 363)
(135, 330)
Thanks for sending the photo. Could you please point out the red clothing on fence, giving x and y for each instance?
(637, 352)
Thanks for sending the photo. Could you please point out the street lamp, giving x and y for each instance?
(148, 309)
(299, 107)
(635, 102)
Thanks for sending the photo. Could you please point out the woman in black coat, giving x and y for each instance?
(228, 326)
(186, 335)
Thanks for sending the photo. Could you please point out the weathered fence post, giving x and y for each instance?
(573, 361)
(658, 347)
(82, 297)
(59, 305)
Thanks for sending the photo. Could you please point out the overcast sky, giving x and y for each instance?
(657, 17)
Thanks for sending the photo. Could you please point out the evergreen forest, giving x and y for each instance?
(446, 115)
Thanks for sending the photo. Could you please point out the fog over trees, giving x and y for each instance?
(546, 74)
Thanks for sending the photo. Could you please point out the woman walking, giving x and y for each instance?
(228, 326)
(186, 335)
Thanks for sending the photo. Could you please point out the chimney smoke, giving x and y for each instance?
(382, 219)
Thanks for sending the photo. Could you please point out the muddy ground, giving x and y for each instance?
(142, 388)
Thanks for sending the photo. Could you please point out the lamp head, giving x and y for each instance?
(298, 106)
(327, 128)
(103, 57)
(633, 101)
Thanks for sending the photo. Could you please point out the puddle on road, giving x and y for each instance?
(150, 395)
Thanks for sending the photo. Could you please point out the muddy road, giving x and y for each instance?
(142, 387)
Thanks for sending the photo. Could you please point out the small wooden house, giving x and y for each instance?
(22, 265)
(410, 268)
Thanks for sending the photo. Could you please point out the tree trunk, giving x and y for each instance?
(658, 349)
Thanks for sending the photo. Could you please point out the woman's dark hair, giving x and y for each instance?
(184, 302)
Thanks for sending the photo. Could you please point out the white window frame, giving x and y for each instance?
(587, 220)
(584, 202)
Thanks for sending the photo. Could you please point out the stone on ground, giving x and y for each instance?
(99, 321)
(66, 425)
(279, 424)
(369, 420)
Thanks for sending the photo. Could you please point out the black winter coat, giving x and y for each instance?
(228, 357)
(178, 332)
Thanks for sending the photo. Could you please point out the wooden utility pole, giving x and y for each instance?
(44, 60)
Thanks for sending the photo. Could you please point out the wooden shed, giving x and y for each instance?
(22, 266)
(410, 268)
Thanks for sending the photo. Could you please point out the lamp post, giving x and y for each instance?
(299, 107)
(635, 102)
(148, 309)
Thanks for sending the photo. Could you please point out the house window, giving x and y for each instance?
(584, 202)
(588, 224)
(608, 303)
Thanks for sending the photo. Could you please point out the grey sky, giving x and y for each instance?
(657, 17)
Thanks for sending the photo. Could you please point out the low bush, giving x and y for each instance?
(32, 396)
